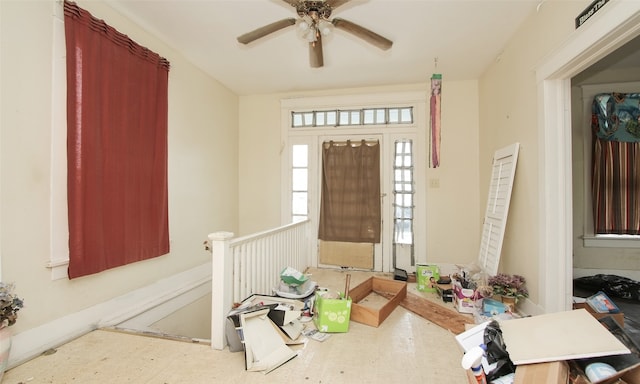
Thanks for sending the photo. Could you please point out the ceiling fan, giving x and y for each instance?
(313, 22)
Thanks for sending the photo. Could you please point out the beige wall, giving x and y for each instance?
(210, 129)
(259, 163)
(509, 113)
(203, 169)
(453, 225)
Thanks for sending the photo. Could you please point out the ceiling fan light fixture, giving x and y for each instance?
(325, 27)
(312, 34)
(313, 23)
(303, 24)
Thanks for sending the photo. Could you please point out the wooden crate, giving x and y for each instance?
(394, 290)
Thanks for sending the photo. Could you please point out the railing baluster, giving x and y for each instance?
(252, 265)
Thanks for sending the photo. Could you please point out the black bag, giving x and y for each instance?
(497, 352)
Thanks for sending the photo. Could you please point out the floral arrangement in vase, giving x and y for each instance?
(10, 304)
(509, 286)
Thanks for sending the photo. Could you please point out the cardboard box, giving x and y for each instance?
(445, 291)
(331, 315)
(618, 317)
(627, 365)
(394, 290)
(465, 300)
(557, 372)
(426, 277)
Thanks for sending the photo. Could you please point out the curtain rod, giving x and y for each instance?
(353, 143)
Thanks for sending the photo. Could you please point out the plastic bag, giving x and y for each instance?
(497, 352)
(293, 277)
(612, 285)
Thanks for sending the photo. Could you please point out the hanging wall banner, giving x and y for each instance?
(436, 93)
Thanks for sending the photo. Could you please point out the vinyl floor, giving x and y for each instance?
(405, 348)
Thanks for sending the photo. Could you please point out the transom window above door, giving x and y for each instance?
(351, 117)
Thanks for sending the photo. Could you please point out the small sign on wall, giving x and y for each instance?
(590, 11)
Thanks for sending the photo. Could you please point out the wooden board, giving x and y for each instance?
(356, 255)
(444, 317)
(558, 336)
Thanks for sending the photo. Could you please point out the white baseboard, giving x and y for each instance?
(141, 308)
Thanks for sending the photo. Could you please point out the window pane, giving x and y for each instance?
(331, 118)
(344, 118)
(308, 119)
(355, 117)
(380, 116)
(299, 155)
(298, 218)
(368, 116)
(299, 182)
(297, 120)
(299, 203)
(403, 192)
(393, 115)
(320, 118)
(406, 115)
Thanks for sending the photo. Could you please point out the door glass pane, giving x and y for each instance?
(299, 206)
(300, 155)
(403, 193)
(299, 182)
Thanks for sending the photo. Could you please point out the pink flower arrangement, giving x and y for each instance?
(10, 304)
(509, 285)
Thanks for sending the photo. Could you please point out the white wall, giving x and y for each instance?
(203, 168)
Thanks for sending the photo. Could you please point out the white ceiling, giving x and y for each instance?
(457, 38)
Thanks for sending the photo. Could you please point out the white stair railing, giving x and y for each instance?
(251, 265)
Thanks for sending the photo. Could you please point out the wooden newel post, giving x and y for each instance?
(221, 289)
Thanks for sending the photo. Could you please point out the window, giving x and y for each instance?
(117, 166)
(352, 117)
(586, 222)
(403, 191)
(616, 160)
(299, 182)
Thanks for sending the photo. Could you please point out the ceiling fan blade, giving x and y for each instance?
(363, 33)
(335, 3)
(264, 31)
(316, 59)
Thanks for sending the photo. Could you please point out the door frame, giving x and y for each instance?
(615, 24)
(416, 99)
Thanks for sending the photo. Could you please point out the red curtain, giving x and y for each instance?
(116, 147)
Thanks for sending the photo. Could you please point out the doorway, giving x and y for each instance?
(620, 22)
(350, 220)
(396, 117)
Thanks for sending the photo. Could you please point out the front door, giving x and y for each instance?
(350, 221)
